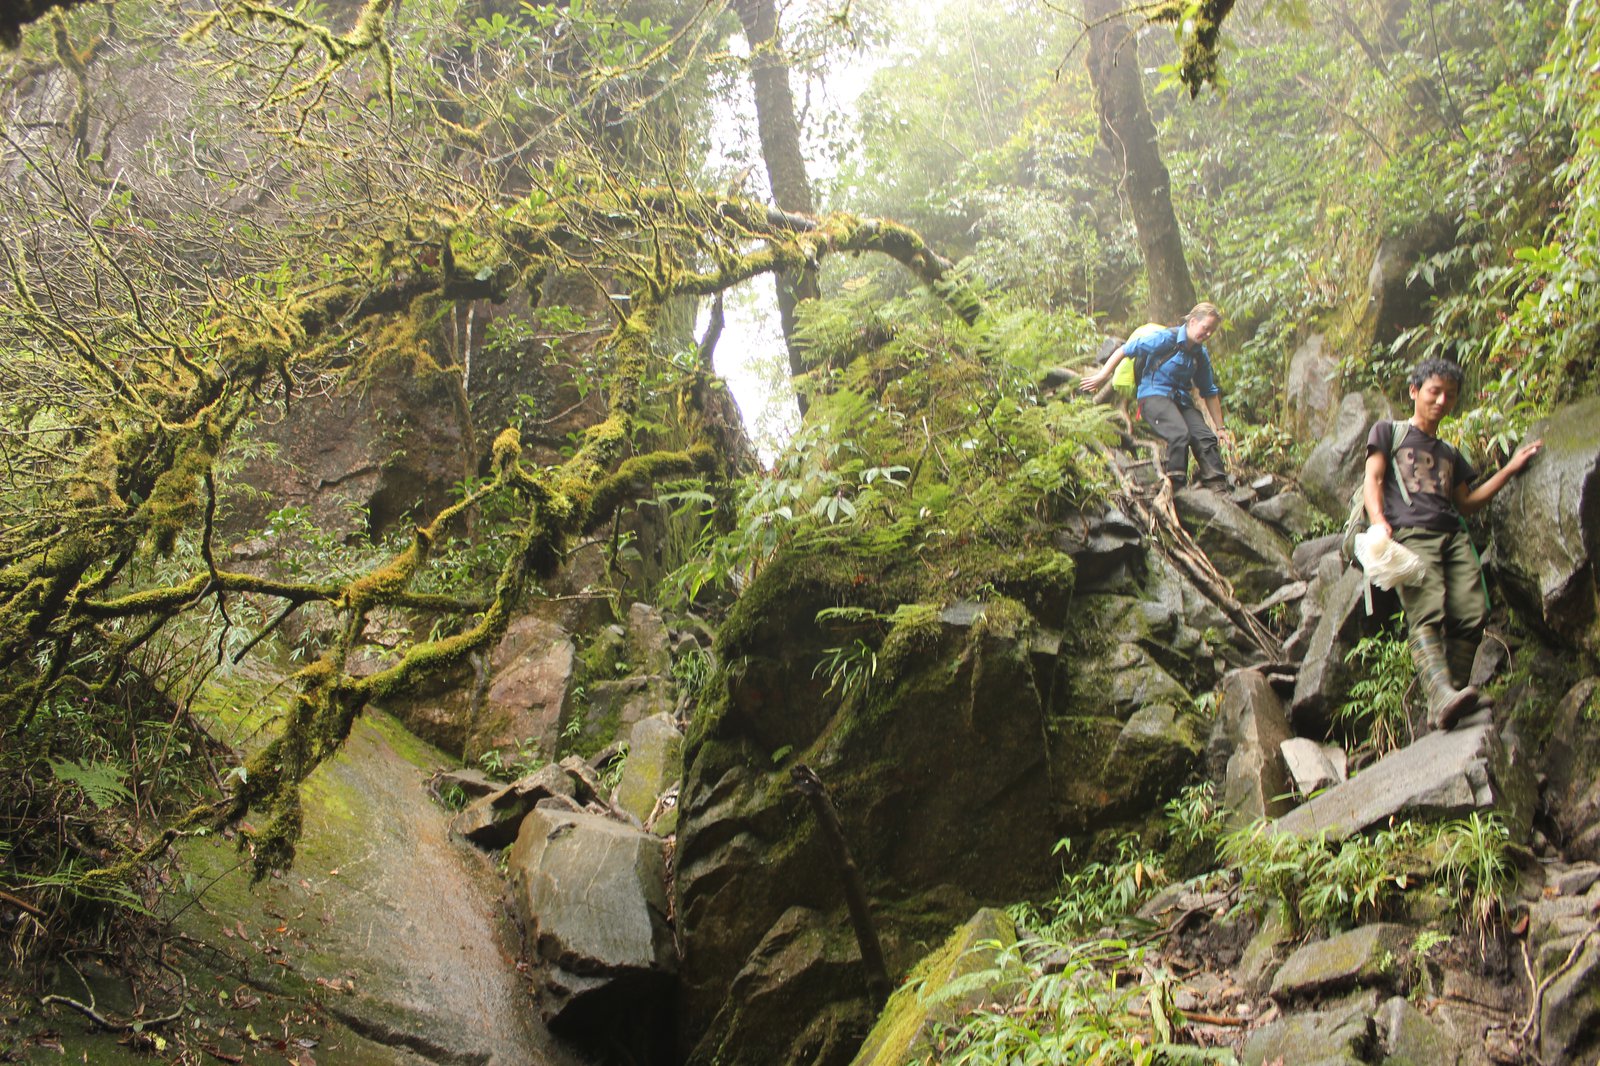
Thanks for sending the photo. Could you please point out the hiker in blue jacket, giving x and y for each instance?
(1170, 363)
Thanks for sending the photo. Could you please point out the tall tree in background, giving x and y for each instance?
(780, 149)
(1130, 133)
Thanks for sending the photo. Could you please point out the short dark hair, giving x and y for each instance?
(1435, 368)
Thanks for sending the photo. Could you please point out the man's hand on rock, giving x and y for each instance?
(1520, 460)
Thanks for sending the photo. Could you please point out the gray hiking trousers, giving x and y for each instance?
(1184, 429)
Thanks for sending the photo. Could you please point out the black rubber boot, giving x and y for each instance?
(1446, 703)
(1459, 652)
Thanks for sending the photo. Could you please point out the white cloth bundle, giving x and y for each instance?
(1388, 563)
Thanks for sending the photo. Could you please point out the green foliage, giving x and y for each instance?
(925, 436)
(1098, 893)
(1324, 885)
(1086, 1001)
(103, 783)
(1195, 816)
(692, 672)
(1377, 711)
(509, 765)
(849, 668)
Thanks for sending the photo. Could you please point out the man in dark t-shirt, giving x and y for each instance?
(1419, 499)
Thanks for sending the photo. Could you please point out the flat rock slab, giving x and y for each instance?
(1443, 775)
(1364, 957)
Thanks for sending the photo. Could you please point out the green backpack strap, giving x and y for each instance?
(1399, 431)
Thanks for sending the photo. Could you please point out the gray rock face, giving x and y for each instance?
(356, 461)
(1569, 1015)
(530, 677)
(1291, 514)
(1311, 392)
(1442, 775)
(1324, 677)
(1572, 792)
(1252, 554)
(1546, 525)
(1244, 752)
(654, 763)
(1366, 957)
(402, 927)
(1334, 467)
(591, 893)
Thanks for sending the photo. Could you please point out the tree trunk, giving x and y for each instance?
(1130, 133)
(780, 149)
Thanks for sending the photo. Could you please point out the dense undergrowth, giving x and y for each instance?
(1087, 980)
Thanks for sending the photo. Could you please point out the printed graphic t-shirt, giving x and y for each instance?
(1430, 470)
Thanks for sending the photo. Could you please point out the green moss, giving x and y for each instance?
(915, 633)
(922, 1006)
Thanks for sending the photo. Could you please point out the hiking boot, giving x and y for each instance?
(1216, 484)
(1460, 652)
(1446, 703)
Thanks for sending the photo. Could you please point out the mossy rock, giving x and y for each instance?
(928, 1002)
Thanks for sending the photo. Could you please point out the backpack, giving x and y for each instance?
(1126, 377)
(1357, 521)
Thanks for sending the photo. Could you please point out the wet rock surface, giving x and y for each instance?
(359, 921)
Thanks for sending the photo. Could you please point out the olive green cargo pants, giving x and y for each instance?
(1450, 594)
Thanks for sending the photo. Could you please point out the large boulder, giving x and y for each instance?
(591, 893)
(385, 927)
(511, 704)
(925, 1005)
(1547, 527)
(530, 677)
(353, 462)
(949, 743)
(1251, 553)
(1292, 515)
(1572, 769)
(1342, 1035)
(1334, 467)
(1363, 957)
(1566, 957)
(1397, 300)
(1244, 757)
(1324, 677)
(655, 749)
(1107, 548)
(492, 821)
